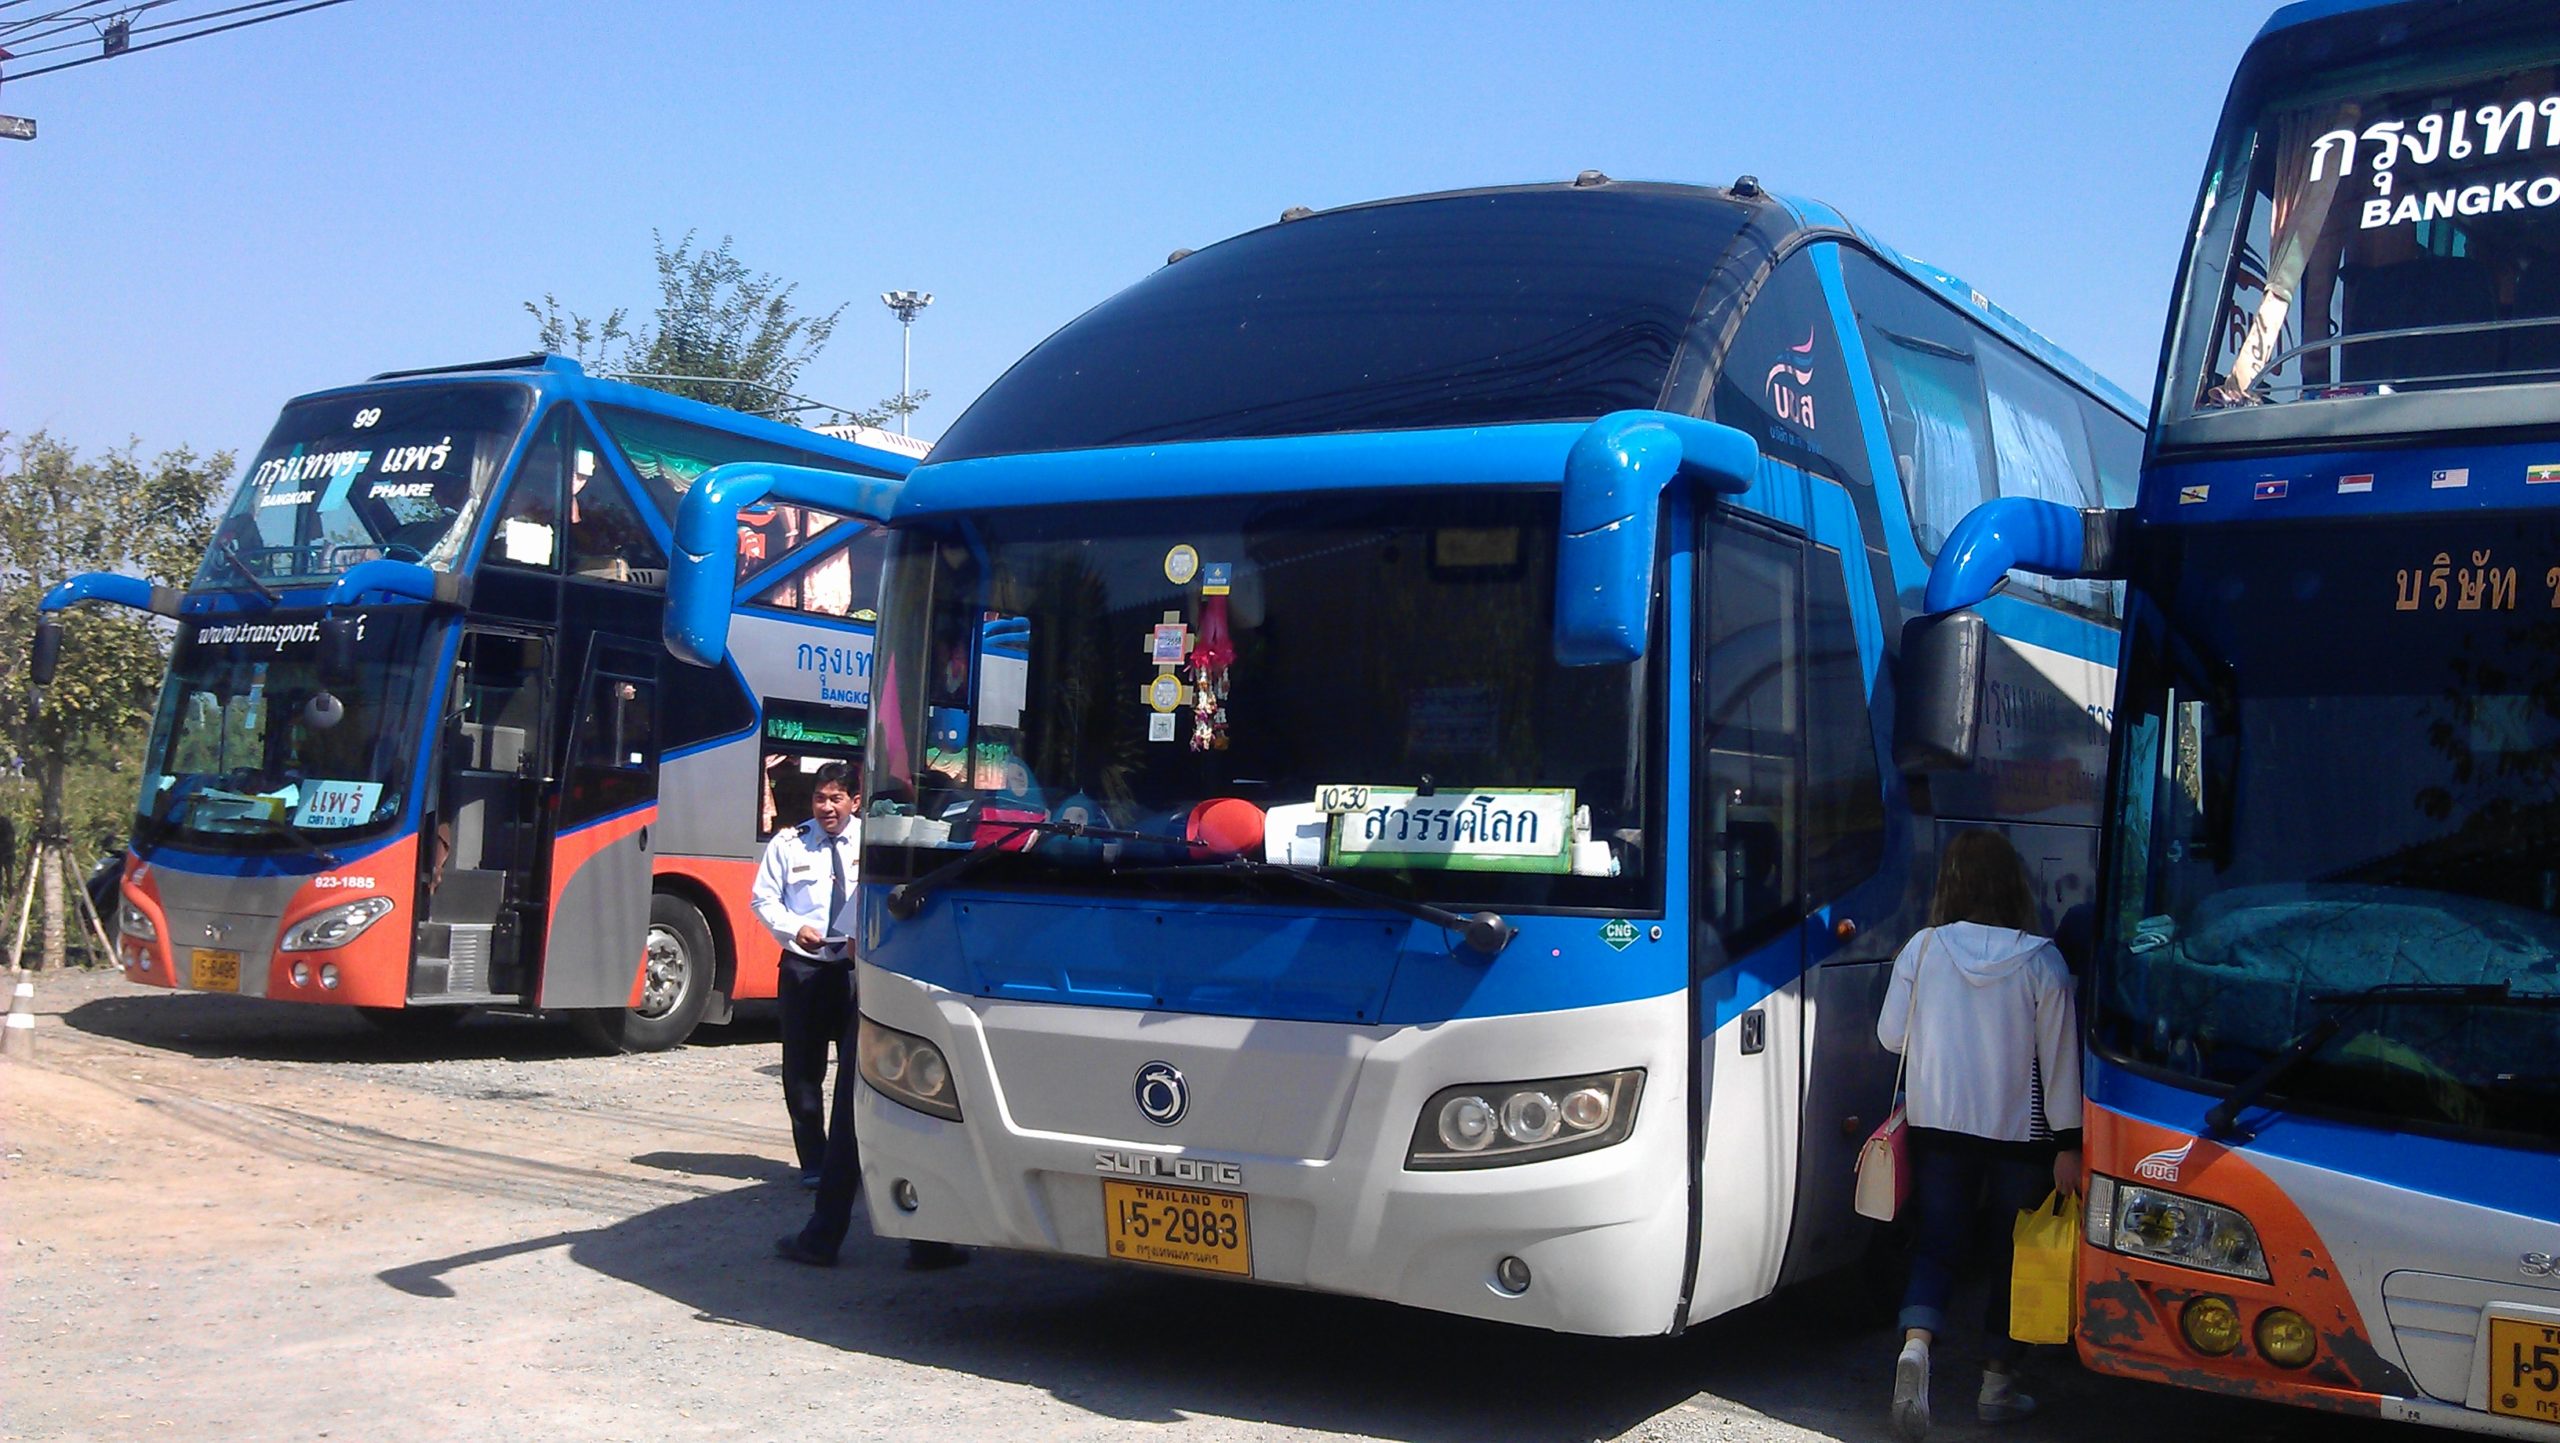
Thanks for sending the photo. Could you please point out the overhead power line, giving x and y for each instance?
(116, 33)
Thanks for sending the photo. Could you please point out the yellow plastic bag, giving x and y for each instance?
(2044, 1284)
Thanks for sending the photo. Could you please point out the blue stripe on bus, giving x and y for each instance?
(173, 857)
(2508, 1179)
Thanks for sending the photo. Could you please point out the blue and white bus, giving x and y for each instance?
(1382, 775)
(414, 754)
(2324, 1070)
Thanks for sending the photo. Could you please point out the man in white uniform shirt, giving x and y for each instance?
(801, 895)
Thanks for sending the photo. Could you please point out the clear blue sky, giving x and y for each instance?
(205, 230)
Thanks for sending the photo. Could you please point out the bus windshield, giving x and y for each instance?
(357, 476)
(2386, 229)
(1183, 671)
(2341, 767)
(245, 755)
(1459, 310)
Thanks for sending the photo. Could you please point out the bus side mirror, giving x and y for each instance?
(45, 657)
(1938, 709)
(1614, 477)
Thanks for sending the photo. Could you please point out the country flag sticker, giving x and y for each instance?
(2459, 476)
(2354, 485)
(2271, 489)
(2538, 475)
(2190, 495)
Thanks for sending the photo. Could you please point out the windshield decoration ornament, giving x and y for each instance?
(1211, 661)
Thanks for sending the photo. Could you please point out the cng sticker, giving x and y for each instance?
(1619, 933)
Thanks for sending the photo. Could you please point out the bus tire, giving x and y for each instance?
(680, 967)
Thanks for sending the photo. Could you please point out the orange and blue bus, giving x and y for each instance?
(415, 754)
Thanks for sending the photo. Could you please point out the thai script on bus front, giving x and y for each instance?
(830, 663)
(1488, 830)
(2477, 587)
(2463, 133)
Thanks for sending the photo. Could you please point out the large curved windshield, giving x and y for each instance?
(259, 747)
(343, 479)
(2380, 225)
(1460, 310)
(1362, 685)
(2340, 767)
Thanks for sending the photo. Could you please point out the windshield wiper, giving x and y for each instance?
(907, 898)
(231, 552)
(1484, 932)
(2341, 1007)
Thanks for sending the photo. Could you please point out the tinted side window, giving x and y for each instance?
(528, 533)
(1844, 789)
(2117, 443)
(613, 753)
(1751, 733)
(669, 456)
(1785, 381)
(607, 539)
(1929, 385)
(845, 582)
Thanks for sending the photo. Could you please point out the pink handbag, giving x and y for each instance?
(1884, 1162)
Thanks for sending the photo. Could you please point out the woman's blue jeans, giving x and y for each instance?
(1956, 1179)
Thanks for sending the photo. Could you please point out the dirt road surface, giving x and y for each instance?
(228, 1219)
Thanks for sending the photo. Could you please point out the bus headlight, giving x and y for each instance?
(2145, 1222)
(906, 1069)
(1501, 1123)
(334, 926)
(132, 921)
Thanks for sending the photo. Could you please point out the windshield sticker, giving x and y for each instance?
(2541, 475)
(527, 543)
(306, 467)
(1168, 644)
(337, 804)
(417, 458)
(2476, 587)
(1334, 801)
(1181, 564)
(2453, 480)
(2272, 488)
(1492, 830)
(301, 633)
(2355, 485)
(2191, 495)
(1160, 726)
(1165, 693)
(2453, 136)
(1217, 578)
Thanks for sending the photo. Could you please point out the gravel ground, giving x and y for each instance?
(232, 1219)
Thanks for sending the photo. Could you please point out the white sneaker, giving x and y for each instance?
(2000, 1401)
(1911, 1391)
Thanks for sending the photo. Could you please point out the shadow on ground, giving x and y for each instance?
(1147, 1347)
(200, 1024)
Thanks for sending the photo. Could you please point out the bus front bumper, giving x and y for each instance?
(1318, 1153)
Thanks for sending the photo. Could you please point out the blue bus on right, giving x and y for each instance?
(2324, 995)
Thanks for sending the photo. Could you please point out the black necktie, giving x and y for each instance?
(835, 889)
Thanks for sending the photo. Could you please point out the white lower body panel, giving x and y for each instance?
(1319, 1118)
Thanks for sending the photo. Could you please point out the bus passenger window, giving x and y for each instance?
(1785, 382)
(607, 540)
(528, 533)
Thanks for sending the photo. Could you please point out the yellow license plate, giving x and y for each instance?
(1178, 1227)
(2524, 1369)
(211, 969)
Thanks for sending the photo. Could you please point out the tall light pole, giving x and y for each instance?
(906, 304)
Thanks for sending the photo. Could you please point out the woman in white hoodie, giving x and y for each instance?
(1981, 1007)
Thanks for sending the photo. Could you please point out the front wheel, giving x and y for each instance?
(677, 962)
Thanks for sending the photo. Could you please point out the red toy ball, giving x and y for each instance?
(1226, 826)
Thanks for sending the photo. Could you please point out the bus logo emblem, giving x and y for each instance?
(2163, 1166)
(1162, 1094)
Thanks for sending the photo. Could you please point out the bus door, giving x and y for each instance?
(484, 852)
(1789, 818)
(602, 825)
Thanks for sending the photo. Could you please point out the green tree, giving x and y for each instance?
(721, 333)
(73, 759)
